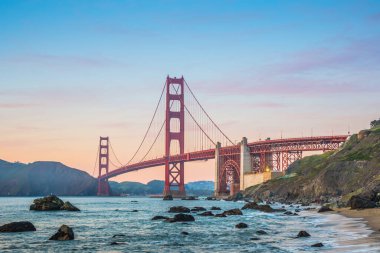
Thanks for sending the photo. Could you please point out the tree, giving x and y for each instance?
(375, 123)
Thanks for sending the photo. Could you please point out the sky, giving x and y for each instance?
(71, 71)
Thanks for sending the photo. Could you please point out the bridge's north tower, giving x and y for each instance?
(174, 132)
(103, 186)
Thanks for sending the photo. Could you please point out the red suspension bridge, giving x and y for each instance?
(235, 164)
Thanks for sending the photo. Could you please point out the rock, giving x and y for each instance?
(117, 243)
(190, 198)
(263, 208)
(288, 213)
(179, 209)
(159, 217)
(297, 210)
(168, 197)
(198, 209)
(214, 208)
(134, 211)
(184, 233)
(254, 238)
(363, 134)
(235, 211)
(208, 213)
(69, 207)
(303, 234)
(357, 202)
(261, 232)
(210, 198)
(181, 217)
(64, 233)
(325, 209)
(21, 226)
(134, 201)
(241, 225)
(220, 215)
(236, 197)
(51, 203)
(317, 245)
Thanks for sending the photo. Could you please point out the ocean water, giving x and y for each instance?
(102, 218)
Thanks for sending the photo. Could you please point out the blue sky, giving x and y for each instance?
(74, 70)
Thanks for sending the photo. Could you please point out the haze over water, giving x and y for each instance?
(102, 218)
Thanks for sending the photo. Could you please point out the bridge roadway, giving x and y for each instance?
(319, 143)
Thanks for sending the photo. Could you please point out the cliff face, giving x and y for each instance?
(354, 169)
(44, 178)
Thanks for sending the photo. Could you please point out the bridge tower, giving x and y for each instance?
(175, 115)
(103, 186)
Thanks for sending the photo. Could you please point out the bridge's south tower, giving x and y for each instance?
(103, 186)
(174, 135)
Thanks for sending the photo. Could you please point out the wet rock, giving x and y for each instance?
(69, 207)
(254, 239)
(198, 209)
(207, 213)
(159, 217)
(324, 209)
(64, 233)
(190, 198)
(168, 197)
(261, 232)
(134, 201)
(21, 226)
(288, 213)
(117, 243)
(181, 217)
(179, 209)
(241, 225)
(317, 245)
(263, 208)
(235, 211)
(220, 215)
(210, 198)
(297, 210)
(215, 208)
(357, 202)
(134, 211)
(236, 197)
(184, 233)
(51, 203)
(303, 234)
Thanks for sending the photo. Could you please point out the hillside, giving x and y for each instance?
(43, 178)
(334, 176)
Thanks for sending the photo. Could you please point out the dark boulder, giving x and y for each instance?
(184, 233)
(235, 211)
(358, 202)
(118, 235)
(198, 209)
(303, 234)
(241, 225)
(210, 198)
(254, 239)
(261, 232)
(64, 233)
(288, 213)
(181, 217)
(207, 213)
(317, 245)
(324, 209)
(21, 226)
(117, 243)
(215, 208)
(220, 215)
(159, 217)
(52, 203)
(236, 197)
(263, 208)
(179, 209)
(168, 197)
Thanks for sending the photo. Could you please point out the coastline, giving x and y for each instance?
(371, 216)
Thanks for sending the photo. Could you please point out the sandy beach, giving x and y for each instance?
(371, 216)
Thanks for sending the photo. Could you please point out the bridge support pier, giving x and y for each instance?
(245, 161)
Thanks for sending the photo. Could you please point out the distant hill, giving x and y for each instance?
(157, 186)
(43, 178)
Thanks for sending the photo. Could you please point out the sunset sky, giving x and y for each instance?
(71, 71)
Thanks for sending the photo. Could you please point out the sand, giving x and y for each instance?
(371, 216)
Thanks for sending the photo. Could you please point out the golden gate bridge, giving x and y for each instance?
(236, 165)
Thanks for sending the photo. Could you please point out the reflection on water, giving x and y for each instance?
(102, 218)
